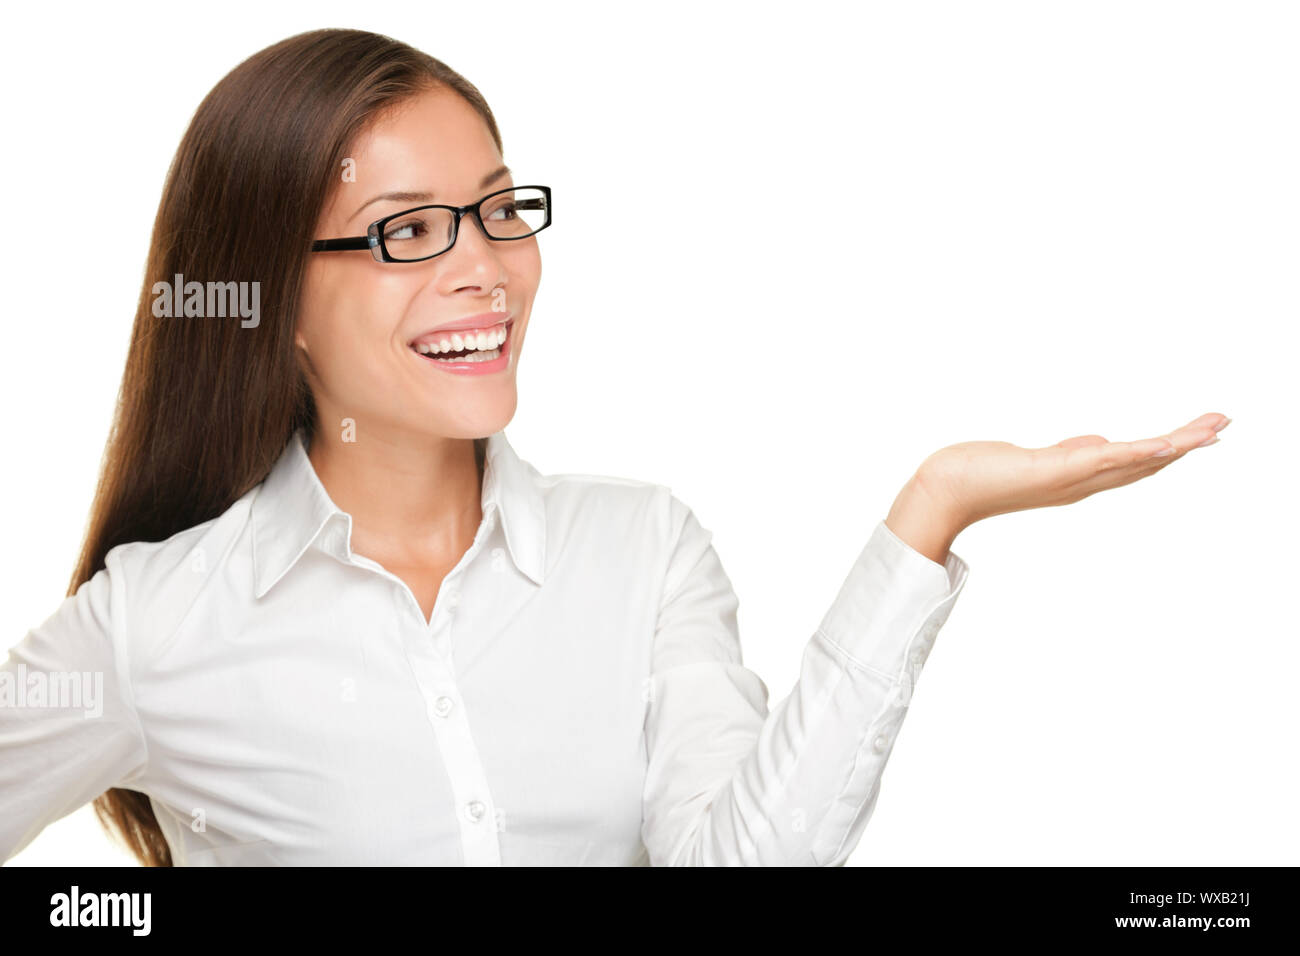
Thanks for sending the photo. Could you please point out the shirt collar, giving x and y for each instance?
(292, 508)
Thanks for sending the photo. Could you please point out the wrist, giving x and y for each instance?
(923, 523)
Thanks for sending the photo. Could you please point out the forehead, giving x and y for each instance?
(433, 142)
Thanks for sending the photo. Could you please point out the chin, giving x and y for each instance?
(479, 424)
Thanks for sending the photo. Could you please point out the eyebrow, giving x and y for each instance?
(406, 196)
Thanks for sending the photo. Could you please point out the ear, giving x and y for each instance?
(302, 355)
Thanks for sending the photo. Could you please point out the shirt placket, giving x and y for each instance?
(428, 647)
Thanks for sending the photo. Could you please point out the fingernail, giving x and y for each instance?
(1209, 441)
(1221, 427)
(1165, 451)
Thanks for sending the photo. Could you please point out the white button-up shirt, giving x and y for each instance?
(577, 698)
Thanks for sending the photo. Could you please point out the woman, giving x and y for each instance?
(324, 612)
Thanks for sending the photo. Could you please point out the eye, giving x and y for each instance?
(509, 211)
(409, 229)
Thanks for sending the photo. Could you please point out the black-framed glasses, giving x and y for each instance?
(423, 232)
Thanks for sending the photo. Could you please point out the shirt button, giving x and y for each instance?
(453, 597)
(442, 706)
(880, 744)
(475, 810)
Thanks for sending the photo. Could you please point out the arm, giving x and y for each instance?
(921, 523)
(730, 784)
(68, 730)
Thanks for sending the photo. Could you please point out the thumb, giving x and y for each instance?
(1081, 441)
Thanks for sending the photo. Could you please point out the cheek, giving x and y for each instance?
(348, 338)
(532, 267)
(525, 275)
(351, 354)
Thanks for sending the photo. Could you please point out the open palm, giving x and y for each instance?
(979, 479)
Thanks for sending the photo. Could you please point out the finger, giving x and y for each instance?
(1181, 439)
(1213, 420)
(1117, 477)
(1118, 463)
(1092, 466)
(1081, 461)
(1192, 435)
(1199, 433)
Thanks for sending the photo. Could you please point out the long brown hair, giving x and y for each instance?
(206, 405)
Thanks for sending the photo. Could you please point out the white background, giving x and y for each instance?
(1007, 221)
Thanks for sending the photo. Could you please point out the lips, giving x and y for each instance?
(473, 363)
(485, 322)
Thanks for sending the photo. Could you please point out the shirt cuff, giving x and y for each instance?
(892, 604)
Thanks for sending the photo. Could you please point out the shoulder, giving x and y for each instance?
(627, 520)
(604, 497)
(649, 508)
(156, 582)
(200, 546)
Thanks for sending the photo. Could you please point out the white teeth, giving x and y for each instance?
(481, 341)
(474, 357)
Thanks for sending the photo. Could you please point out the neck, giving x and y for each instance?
(413, 498)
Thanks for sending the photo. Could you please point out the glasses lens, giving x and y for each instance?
(418, 234)
(422, 233)
(514, 214)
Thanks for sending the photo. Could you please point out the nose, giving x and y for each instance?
(473, 259)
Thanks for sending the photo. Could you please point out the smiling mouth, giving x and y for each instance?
(476, 345)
